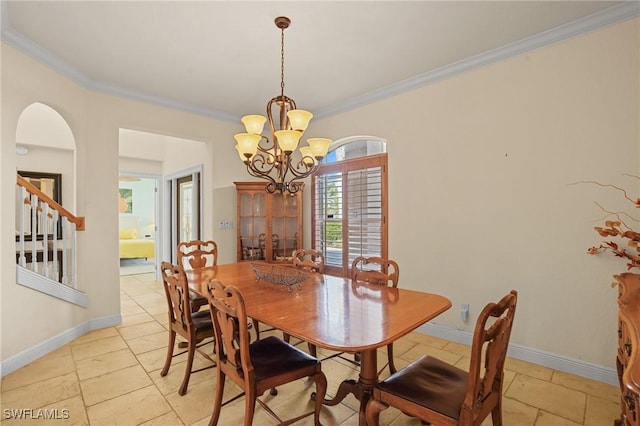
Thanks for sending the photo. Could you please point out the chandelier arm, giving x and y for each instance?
(269, 144)
(256, 173)
(292, 187)
(258, 166)
(307, 171)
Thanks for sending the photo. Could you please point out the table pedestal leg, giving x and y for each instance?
(361, 389)
(345, 388)
(368, 379)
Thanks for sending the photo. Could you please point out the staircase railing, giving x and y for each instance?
(39, 218)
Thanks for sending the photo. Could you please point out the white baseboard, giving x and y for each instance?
(29, 355)
(535, 356)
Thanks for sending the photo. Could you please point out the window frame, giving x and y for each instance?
(344, 167)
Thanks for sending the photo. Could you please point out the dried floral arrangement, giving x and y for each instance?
(619, 225)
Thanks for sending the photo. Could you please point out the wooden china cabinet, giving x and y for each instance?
(627, 360)
(269, 225)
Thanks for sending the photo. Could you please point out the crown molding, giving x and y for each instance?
(621, 12)
(627, 10)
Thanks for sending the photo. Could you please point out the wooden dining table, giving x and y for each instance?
(330, 312)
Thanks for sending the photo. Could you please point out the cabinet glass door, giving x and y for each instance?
(285, 226)
(252, 225)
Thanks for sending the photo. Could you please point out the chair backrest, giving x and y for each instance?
(308, 259)
(491, 339)
(375, 270)
(229, 318)
(176, 288)
(197, 254)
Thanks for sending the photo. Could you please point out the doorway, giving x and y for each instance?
(137, 231)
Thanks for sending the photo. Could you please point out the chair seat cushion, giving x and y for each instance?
(271, 357)
(202, 320)
(430, 383)
(193, 296)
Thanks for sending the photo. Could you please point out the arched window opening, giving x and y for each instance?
(349, 200)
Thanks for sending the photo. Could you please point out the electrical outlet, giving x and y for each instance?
(464, 312)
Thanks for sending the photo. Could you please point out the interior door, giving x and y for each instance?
(185, 192)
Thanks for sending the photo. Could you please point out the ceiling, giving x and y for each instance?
(222, 58)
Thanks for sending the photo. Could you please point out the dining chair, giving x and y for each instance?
(195, 328)
(379, 271)
(255, 366)
(197, 254)
(441, 394)
(309, 260)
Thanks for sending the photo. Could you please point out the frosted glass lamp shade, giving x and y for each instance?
(299, 119)
(288, 140)
(254, 123)
(247, 143)
(319, 147)
(307, 155)
(242, 157)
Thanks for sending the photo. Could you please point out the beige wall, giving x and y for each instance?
(479, 167)
(27, 317)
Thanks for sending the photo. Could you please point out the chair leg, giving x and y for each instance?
(249, 405)
(372, 412)
(187, 370)
(167, 362)
(256, 326)
(312, 350)
(217, 402)
(321, 391)
(392, 366)
(286, 337)
(496, 413)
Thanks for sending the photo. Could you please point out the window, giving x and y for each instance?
(349, 194)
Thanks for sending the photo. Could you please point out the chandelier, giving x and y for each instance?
(278, 159)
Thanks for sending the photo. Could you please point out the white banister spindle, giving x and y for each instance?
(65, 239)
(45, 219)
(45, 239)
(56, 269)
(23, 214)
(34, 232)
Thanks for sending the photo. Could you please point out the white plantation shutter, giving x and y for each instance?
(364, 212)
(328, 217)
(349, 211)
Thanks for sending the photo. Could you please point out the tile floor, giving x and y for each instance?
(112, 377)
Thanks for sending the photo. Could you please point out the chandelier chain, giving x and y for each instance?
(282, 63)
